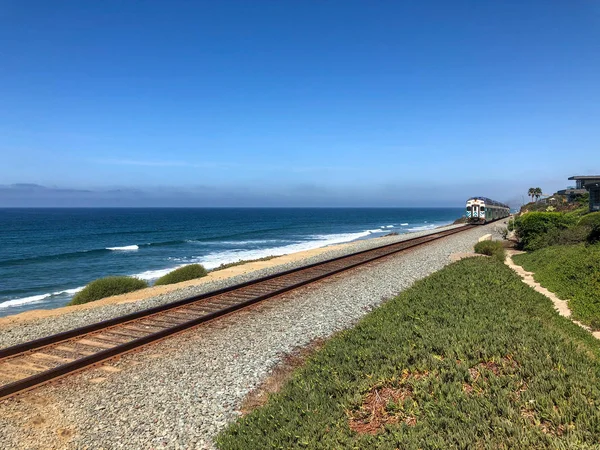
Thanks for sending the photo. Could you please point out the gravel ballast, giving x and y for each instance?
(179, 393)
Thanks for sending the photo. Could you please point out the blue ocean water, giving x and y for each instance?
(46, 255)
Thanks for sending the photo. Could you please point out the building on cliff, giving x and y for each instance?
(591, 183)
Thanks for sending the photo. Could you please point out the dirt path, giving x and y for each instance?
(561, 306)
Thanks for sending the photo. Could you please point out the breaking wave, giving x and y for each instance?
(124, 248)
(38, 298)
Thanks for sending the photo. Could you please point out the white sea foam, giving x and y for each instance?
(389, 226)
(421, 228)
(24, 300)
(215, 259)
(69, 291)
(149, 275)
(429, 226)
(403, 224)
(124, 248)
(248, 242)
(38, 298)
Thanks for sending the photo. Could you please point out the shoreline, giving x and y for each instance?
(223, 275)
(43, 299)
(153, 291)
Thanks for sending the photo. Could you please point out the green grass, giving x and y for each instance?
(491, 248)
(107, 287)
(572, 273)
(480, 361)
(185, 273)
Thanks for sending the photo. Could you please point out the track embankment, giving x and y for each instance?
(183, 390)
(32, 363)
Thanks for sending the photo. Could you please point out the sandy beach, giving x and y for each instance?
(153, 291)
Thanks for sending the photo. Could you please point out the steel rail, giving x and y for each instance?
(338, 264)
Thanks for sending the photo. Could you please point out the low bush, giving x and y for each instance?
(184, 273)
(578, 212)
(566, 236)
(536, 230)
(594, 234)
(590, 219)
(469, 357)
(573, 273)
(511, 225)
(592, 222)
(107, 287)
(491, 248)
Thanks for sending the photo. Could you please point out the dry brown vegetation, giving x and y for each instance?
(385, 404)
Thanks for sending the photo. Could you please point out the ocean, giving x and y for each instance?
(47, 255)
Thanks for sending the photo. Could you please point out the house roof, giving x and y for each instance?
(571, 191)
(585, 177)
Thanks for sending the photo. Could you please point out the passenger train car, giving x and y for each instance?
(485, 210)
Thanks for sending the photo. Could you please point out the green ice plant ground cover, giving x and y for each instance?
(469, 357)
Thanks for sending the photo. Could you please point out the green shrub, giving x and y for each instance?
(184, 273)
(565, 236)
(107, 287)
(594, 235)
(573, 235)
(490, 248)
(590, 219)
(511, 225)
(578, 212)
(536, 230)
(592, 222)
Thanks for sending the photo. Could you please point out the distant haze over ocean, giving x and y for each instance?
(46, 255)
(388, 195)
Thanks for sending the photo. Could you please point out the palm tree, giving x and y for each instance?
(531, 193)
(538, 193)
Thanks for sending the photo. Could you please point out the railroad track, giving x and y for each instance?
(30, 364)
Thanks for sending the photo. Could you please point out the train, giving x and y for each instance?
(484, 210)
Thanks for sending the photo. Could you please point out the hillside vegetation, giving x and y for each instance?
(536, 230)
(467, 358)
(558, 203)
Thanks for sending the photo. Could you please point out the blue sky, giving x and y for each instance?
(295, 103)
